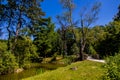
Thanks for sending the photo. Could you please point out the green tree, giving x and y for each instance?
(96, 35)
(111, 44)
(25, 51)
(45, 38)
(19, 14)
(7, 60)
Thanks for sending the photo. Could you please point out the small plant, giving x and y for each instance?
(113, 68)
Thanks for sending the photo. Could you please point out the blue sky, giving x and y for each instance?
(52, 8)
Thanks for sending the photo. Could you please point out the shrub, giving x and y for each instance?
(113, 68)
(7, 63)
(69, 59)
(25, 51)
(7, 60)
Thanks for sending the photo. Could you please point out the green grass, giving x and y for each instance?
(86, 70)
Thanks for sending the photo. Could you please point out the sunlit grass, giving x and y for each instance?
(86, 70)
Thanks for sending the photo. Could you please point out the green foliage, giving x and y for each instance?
(70, 41)
(113, 68)
(24, 17)
(111, 43)
(25, 51)
(78, 34)
(45, 39)
(92, 50)
(95, 35)
(69, 59)
(75, 49)
(8, 63)
(3, 47)
(7, 60)
(20, 18)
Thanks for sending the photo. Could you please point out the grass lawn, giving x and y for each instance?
(86, 70)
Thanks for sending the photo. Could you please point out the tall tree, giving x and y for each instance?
(65, 22)
(45, 38)
(87, 17)
(18, 14)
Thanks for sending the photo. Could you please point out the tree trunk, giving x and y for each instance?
(64, 42)
(17, 32)
(65, 48)
(9, 35)
(82, 43)
(81, 55)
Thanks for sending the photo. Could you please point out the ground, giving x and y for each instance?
(84, 70)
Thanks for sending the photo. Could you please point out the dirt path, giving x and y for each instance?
(97, 60)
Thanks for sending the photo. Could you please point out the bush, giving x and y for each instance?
(92, 50)
(7, 60)
(69, 59)
(113, 68)
(7, 63)
(25, 51)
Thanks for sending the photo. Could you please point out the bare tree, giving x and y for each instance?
(87, 17)
(65, 21)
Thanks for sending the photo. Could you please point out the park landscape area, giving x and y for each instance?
(59, 40)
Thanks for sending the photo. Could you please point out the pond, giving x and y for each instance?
(31, 72)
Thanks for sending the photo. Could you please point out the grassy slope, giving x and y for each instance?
(87, 70)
